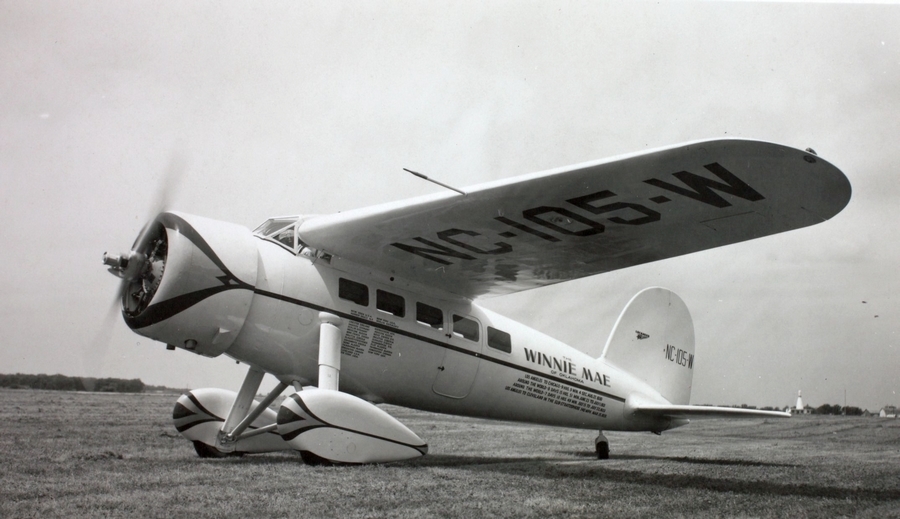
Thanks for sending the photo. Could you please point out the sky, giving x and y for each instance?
(274, 108)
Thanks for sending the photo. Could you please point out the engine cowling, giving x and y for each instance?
(196, 283)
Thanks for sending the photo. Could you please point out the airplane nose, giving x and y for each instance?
(188, 281)
(140, 268)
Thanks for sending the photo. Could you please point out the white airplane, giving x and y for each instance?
(379, 305)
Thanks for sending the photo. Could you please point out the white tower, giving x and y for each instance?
(799, 401)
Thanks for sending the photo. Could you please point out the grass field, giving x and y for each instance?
(89, 455)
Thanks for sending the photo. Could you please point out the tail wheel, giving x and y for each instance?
(602, 450)
(601, 443)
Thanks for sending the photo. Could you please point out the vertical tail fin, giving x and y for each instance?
(654, 341)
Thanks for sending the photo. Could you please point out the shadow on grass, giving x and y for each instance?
(680, 459)
(752, 487)
(699, 461)
(476, 462)
(452, 460)
(562, 467)
(550, 468)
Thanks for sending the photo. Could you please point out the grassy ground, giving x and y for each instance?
(88, 455)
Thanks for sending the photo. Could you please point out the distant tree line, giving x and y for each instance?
(836, 409)
(64, 383)
(822, 409)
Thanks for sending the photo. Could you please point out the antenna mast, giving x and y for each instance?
(463, 193)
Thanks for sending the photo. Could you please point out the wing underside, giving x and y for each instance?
(588, 219)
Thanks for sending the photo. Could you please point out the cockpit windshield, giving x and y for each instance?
(275, 224)
(283, 231)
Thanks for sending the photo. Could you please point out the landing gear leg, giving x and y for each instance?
(601, 444)
(329, 351)
(239, 409)
(241, 416)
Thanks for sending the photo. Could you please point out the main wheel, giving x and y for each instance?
(208, 451)
(315, 460)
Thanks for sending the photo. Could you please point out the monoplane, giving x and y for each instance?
(381, 304)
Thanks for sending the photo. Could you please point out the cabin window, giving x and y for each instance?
(465, 327)
(430, 315)
(499, 340)
(390, 303)
(353, 291)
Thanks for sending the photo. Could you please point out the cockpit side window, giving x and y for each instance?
(285, 236)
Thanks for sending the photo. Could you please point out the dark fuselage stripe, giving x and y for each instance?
(411, 335)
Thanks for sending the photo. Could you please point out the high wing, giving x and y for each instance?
(545, 228)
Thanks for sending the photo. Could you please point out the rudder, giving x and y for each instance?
(653, 339)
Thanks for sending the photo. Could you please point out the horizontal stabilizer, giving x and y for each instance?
(703, 411)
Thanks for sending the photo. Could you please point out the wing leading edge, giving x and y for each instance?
(545, 228)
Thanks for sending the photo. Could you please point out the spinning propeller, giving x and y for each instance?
(141, 268)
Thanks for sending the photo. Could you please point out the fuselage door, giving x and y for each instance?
(457, 373)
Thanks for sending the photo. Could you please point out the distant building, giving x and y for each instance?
(888, 411)
(799, 408)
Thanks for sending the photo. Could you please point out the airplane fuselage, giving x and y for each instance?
(400, 343)
(453, 364)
